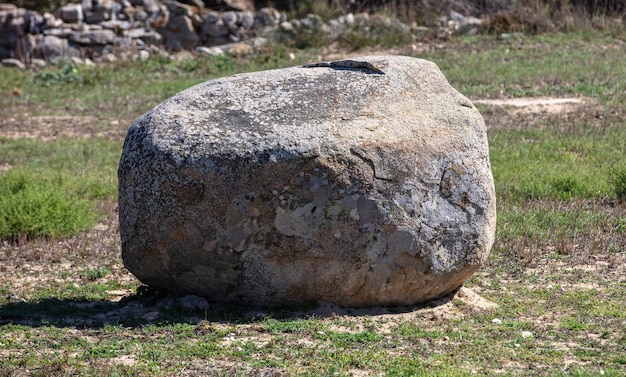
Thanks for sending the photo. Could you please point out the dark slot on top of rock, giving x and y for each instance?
(364, 66)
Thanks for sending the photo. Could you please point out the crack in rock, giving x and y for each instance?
(362, 155)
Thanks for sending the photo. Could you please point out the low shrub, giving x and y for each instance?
(34, 206)
(617, 178)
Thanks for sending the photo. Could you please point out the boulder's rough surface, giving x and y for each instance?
(361, 182)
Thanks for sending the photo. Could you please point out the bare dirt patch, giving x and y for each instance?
(47, 128)
(537, 105)
(51, 127)
(452, 307)
(27, 266)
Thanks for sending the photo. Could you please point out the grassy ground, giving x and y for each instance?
(557, 271)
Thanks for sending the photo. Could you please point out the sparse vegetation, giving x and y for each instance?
(38, 207)
(51, 188)
(557, 269)
(618, 180)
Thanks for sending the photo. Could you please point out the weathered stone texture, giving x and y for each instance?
(361, 183)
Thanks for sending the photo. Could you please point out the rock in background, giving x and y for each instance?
(106, 30)
(360, 182)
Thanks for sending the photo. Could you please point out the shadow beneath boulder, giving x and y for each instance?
(152, 307)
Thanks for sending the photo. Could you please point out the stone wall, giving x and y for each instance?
(105, 30)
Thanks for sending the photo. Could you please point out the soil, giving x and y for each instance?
(536, 105)
(51, 127)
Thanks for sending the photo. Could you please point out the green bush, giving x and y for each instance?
(618, 181)
(67, 74)
(566, 186)
(32, 206)
(51, 188)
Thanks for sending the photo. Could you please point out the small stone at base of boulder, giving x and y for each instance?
(15, 63)
(210, 51)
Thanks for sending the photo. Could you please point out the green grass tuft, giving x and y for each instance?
(32, 206)
(618, 180)
(52, 188)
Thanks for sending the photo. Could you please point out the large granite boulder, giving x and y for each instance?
(360, 182)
